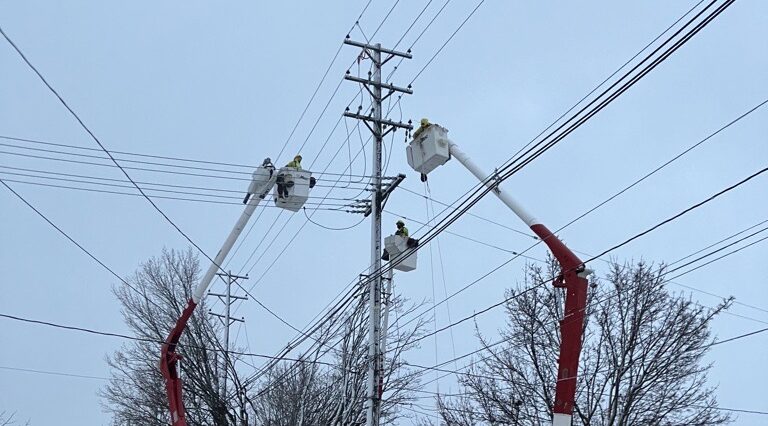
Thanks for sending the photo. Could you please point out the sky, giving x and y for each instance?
(228, 82)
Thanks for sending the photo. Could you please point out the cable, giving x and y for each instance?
(95, 139)
(470, 204)
(634, 183)
(144, 339)
(325, 74)
(610, 296)
(362, 144)
(480, 3)
(693, 207)
(443, 394)
(338, 207)
(144, 169)
(227, 197)
(328, 227)
(514, 167)
(153, 163)
(52, 373)
(527, 234)
(583, 119)
(398, 104)
(72, 240)
(627, 241)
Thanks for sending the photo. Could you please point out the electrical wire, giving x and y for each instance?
(613, 248)
(226, 197)
(319, 84)
(604, 103)
(144, 169)
(485, 192)
(98, 142)
(610, 296)
(538, 150)
(142, 339)
(72, 240)
(331, 228)
(337, 207)
(398, 104)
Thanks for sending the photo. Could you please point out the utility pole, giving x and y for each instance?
(228, 299)
(376, 124)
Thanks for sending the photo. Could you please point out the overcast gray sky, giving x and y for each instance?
(228, 81)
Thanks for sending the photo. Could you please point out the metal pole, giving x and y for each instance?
(228, 304)
(374, 321)
(384, 332)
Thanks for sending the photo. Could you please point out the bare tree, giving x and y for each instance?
(9, 419)
(136, 393)
(329, 385)
(641, 363)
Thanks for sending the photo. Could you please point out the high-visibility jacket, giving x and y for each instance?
(402, 231)
(295, 164)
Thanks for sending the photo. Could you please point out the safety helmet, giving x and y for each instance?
(424, 122)
(400, 222)
(297, 157)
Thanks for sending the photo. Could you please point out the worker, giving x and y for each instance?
(260, 176)
(424, 124)
(296, 163)
(401, 229)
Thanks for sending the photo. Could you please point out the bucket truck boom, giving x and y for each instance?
(431, 148)
(262, 181)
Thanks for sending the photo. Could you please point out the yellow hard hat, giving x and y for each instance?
(297, 157)
(400, 222)
(425, 122)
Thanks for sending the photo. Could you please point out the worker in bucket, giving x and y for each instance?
(284, 180)
(402, 232)
(401, 229)
(424, 124)
(296, 163)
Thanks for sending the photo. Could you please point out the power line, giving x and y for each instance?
(235, 170)
(172, 191)
(735, 410)
(363, 145)
(519, 293)
(72, 240)
(143, 169)
(158, 341)
(511, 169)
(689, 209)
(521, 162)
(610, 296)
(319, 84)
(362, 149)
(627, 241)
(95, 139)
(336, 207)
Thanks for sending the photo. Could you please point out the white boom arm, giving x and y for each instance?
(431, 148)
(483, 177)
(263, 180)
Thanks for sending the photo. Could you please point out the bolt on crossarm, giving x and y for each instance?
(431, 148)
(262, 182)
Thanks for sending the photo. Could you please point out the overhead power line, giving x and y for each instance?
(541, 147)
(73, 241)
(240, 175)
(103, 148)
(362, 148)
(327, 206)
(158, 341)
